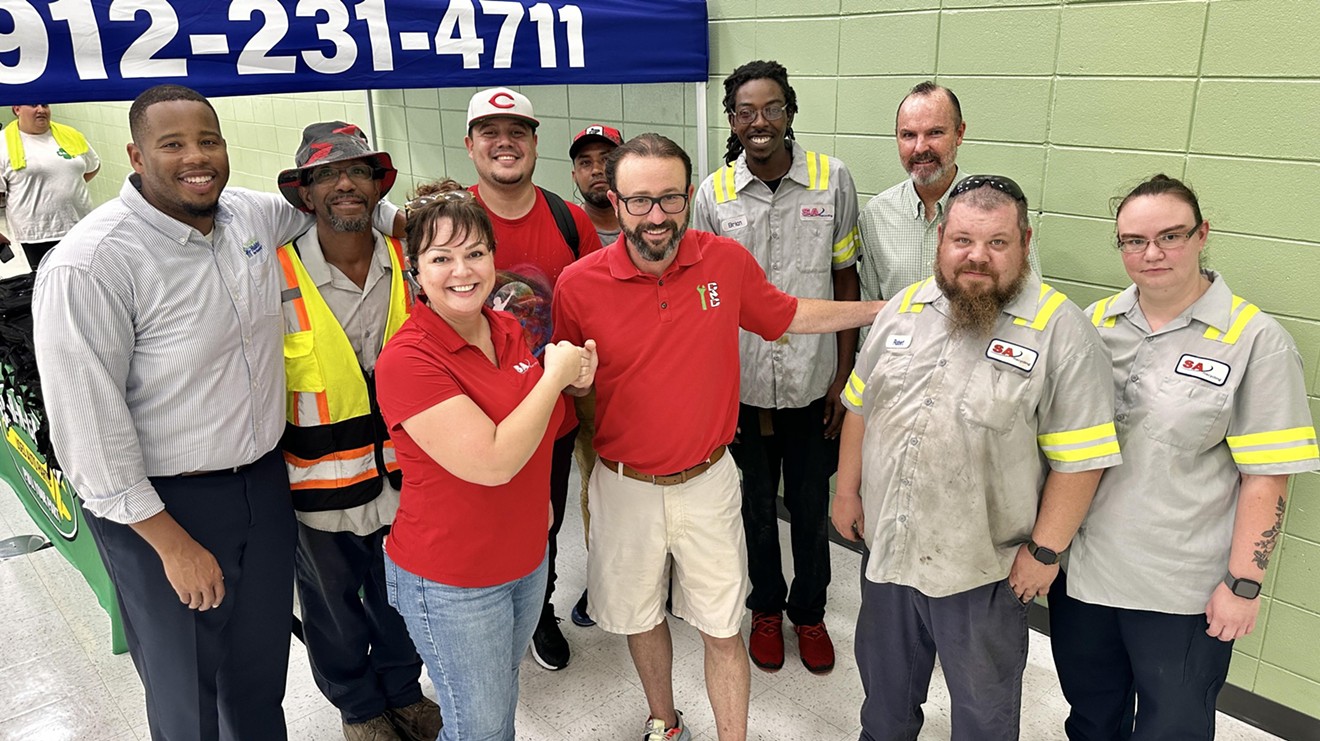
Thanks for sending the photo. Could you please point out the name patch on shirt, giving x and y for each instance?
(1206, 369)
(737, 222)
(898, 342)
(1008, 353)
(255, 250)
(816, 213)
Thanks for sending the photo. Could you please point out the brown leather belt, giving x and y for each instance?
(670, 479)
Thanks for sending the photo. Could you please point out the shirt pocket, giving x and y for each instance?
(993, 396)
(814, 239)
(887, 380)
(302, 369)
(1187, 414)
(267, 282)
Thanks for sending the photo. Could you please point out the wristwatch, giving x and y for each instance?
(1042, 554)
(1244, 588)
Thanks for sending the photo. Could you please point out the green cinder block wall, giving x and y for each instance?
(1076, 100)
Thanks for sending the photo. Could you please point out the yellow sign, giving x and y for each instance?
(49, 478)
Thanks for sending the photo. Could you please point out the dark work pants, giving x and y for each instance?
(218, 674)
(797, 447)
(561, 465)
(981, 638)
(361, 655)
(37, 250)
(1107, 656)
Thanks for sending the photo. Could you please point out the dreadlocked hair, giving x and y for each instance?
(757, 70)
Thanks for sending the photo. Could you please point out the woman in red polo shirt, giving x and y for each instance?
(472, 414)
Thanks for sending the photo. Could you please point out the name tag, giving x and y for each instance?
(898, 342)
(1008, 353)
(816, 213)
(737, 222)
(1206, 369)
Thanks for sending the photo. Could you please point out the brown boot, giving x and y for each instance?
(375, 729)
(419, 721)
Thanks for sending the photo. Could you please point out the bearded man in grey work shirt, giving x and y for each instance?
(159, 342)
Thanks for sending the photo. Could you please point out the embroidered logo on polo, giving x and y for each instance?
(898, 342)
(1008, 353)
(737, 222)
(1206, 369)
(816, 213)
(252, 249)
(524, 366)
(710, 295)
(63, 153)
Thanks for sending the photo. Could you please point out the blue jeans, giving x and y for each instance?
(472, 640)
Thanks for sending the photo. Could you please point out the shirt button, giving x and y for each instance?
(902, 518)
(905, 482)
(1134, 379)
(929, 402)
(1151, 338)
(1120, 417)
(662, 282)
(914, 441)
(943, 362)
(664, 304)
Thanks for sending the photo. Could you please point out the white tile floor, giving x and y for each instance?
(58, 679)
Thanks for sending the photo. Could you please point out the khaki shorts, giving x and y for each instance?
(638, 529)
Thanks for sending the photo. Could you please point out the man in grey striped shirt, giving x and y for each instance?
(159, 341)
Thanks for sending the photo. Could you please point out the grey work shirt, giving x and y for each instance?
(898, 243)
(607, 236)
(1216, 393)
(362, 313)
(959, 431)
(799, 233)
(160, 349)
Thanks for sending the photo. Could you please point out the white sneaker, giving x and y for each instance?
(656, 731)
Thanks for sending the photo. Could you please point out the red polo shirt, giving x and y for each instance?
(667, 384)
(449, 530)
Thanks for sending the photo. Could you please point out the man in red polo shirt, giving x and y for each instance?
(664, 305)
(537, 235)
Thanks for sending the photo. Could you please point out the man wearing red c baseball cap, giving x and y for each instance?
(537, 235)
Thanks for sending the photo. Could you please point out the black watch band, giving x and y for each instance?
(1043, 554)
(1244, 588)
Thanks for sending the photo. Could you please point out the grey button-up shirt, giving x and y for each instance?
(1216, 393)
(161, 349)
(800, 234)
(961, 431)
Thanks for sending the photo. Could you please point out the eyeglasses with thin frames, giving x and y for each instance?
(358, 173)
(671, 203)
(745, 116)
(1167, 242)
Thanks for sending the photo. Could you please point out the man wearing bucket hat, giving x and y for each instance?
(538, 235)
(344, 296)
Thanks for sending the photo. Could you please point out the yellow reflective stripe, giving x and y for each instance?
(853, 391)
(730, 184)
(1098, 316)
(1073, 437)
(824, 172)
(907, 305)
(1283, 455)
(719, 185)
(1273, 437)
(846, 249)
(1235, 331)
(1072, 455)
(811, 171)
(1044, 310)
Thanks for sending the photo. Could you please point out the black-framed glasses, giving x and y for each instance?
(998, 182)
(672, 203)
(747, 115)
(360, 173)
(1169, 241)
(450, 196)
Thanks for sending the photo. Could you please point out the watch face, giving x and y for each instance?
(1046, 556)
(1246, 588)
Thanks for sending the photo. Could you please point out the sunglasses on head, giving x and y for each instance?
(998, 182)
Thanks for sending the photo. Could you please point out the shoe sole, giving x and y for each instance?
(770, 668)
(818, 670)
(545, 664)
(582, 623)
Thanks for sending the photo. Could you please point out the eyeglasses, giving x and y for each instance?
(673, 203)
(747, 115)
(998, 182)
(450, 196)
(358, 173)
(1166, 242)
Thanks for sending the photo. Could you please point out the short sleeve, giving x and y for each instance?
(1075, 419)
(410, 380)
(867, 358)
(847, 238)
(1271, 431)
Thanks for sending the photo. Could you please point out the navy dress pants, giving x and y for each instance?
(362, 658)
(217, 675)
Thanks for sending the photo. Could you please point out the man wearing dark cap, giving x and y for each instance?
(538, 235)
(588, 152)
(343, 297)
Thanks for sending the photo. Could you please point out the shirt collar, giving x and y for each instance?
(313, 259)
(622, 267)
(797, 171)
(175, 230)
(436, 327)
(1214, 308)
(916, 209)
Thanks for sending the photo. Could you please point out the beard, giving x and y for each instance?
(200, 211)
(595, 198)
(351, 224)
(974, 313)
(934, 176)
(637, 238)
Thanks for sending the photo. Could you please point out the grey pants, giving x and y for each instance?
(981, 638)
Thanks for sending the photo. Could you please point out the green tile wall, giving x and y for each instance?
(1076, 99)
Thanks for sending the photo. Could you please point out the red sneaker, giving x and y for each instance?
(816, 648)
(767, 642)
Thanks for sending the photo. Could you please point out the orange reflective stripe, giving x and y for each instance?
(339, 455)
(323, 407)
(291, 281)
(397, 246)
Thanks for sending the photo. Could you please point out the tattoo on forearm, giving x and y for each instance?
(1268, 539)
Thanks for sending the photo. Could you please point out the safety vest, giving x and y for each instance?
(335, 443)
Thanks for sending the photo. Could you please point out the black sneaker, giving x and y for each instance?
(579, 614)
(548, 645)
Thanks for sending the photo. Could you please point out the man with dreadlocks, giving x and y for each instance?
(796, 212)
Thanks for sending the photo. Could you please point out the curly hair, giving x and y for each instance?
(431, 203)
(757, 70)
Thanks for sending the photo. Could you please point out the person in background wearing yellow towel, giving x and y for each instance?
(44, 169)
